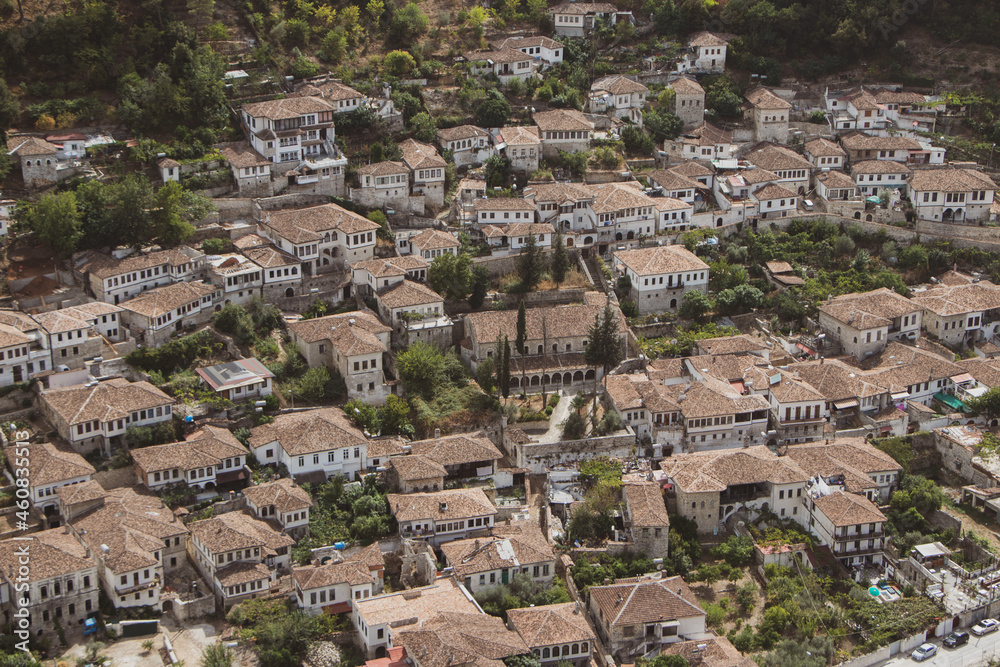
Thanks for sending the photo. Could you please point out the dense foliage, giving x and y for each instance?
(340, 513)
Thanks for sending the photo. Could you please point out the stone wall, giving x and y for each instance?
(499, 266)
(537, 456)
(231, 209)
(186, 610)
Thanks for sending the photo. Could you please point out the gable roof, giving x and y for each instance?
(53, 553)
(645, 505)
(551, 624)
(617, 84)
(391, 266)
(289, 107)
(519, 135)
(414, 467)
(309, 224)
(116, 398)
(867, 310)
(406, 294)
(451, 639)
(351, 333)
(307, 432)
(777, 158)
(238, 530)
(762, 98)
(458, 449)
(661, 259)
(434, 239)
(508, 547)
(166, 299)
(440, 505)
(417, 155)
(51, 464)
(957, 299)
(951, 180)
(284, 494)
(204, 448)
(848, 509)
(562, 119)
(648, 601)
(716, 471)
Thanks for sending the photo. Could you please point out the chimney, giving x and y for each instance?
(443, 506)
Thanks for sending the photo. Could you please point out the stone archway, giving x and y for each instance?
(618, 236)
(290, 292)
(718, 222)
(630, 236)
(868, 218)
(857, 215)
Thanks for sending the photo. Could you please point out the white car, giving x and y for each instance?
(985, 627)
(924, 651)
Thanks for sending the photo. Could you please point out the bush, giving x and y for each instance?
(214, 246)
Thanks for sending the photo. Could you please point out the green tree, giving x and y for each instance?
(394, 416)
(480, 285)
(575, 426)
(217, 655)
(530, 264)
(451, 276)
(314, 384)
(485, 375)
(494, 112)
(605, 345)
(522, 328)
(737, 550)
(168, 219)
(399, 64)
(364, 415)
(55, 220)
(10, 109)
(407, 25)
(560, 259)
(421, 368)
(497, 169)
(722, 98)
(423, 127)
(504, 379)
(741, 299)
(987, 405)
(695, 306)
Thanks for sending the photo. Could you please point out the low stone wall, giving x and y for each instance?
(186, 610)
(990, 234)
(231, 209)
(539, 456)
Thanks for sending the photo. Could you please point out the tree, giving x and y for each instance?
(423, 127)
(987, 405)
(741, 299)
(169, 216)
(313, 385)
(662, 125)
(574, 427)
(485, 375)
(451, 276)
(364, 415)
(421, 368)
(522, 326)
(55, 220)
(10, 109)
(737, 550)
(480, 285)
(605, 343)
(217, 655)
(530, 264)
(497, 169)
(560, 259)
(722, 98)
(407, 25)
(494, 112)
(504, 379)
(694, 306)
(399, 64)
(394, 416)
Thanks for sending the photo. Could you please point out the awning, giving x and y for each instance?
(962, 377)
(899, 395)
(804, 348)
(231, 476)
(847, 403)
(739, 386)
(950, 401)
(886, 429)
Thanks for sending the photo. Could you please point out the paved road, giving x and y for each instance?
(978, 652)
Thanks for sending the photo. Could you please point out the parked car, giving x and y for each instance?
(924, 651)
(985, 627)
(956, 639)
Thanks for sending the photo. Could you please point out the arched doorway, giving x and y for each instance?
(868, 218)
(673, 304)
(948, 214)
(589, 375)
(588, 240)
(618, 236)
(567, 378)
(718, 222)
(857, 215)
(168, 606)
(630, 236)
(290, 292)
(578, 376)
(569, 242)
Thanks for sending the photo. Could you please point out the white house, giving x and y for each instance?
(238, 380)
(545, 50)
(873, 176)
(208, 458)
(951, 194)
(774, 201)
(282, 501)
(621, 96)
(442, 516)
(323, 238)
(319, 443)
(469, 145)
(565, 130)
(661, 276)
(505, 64)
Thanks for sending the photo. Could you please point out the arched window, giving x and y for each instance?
(545, 652)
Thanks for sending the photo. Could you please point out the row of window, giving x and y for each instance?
(573, 134)
(424, 174)
(241, 589)
(236, 555)
(802, 414)
(57, 587)
(70, 609)
(235, 281)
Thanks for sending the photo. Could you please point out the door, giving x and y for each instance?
(503, 576)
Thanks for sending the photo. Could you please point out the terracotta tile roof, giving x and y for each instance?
(836, 180)
(686, 86)
(836, 380)
(503, 204)
(762, 98)
(92, 310)
(527, 42)
(452, 639)
(520, 135)
(309, 224)
(958, 299)
(692, 169)
(584, 8)
(616, 84)
(331, 574)
(284, 494)
(672, 180)
(11, 336)
(773, 191)
(855, 459)
(461, 132)
(331, 90)
(884, 96)
(615, 197)
(410, 607)
(705, 38)
(417, 155)
(84, 492)
(238, 530)
(716, 471)
(512, 550)
(779, 267)
(241, 155)
(867, 310)
(50, 464)
(53, 553)
(645, 504)
(635, 390)
(351, 333)
(26, 146)
(60, 321)
(434, 239)
(498, 56)
(162, 300)
(670, 204)
(116, 398)
(710, 652)
(132, 526)
(242, 573)
(863, 100)
(308, 432)
(859, 141)
(269, 257)
(661, 259)
(879, 167)
(207, 447)
(290, 107)
(848, 509)
(950, 180)
(758, 175)
(440, 505)
(384, 168)
(707, 134)
(560, 192)
(740, 344)
(414, 467)
(562, 119)
(458, 449)
(985, 371)
(791, 389)
(517, 229)
(392, 266)
(386, 445)
(406, 294)
(899, 366)
(551, 624)
(777, 158)
(648, 601)
(106, 266)
(555, 322)
(821, 147)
